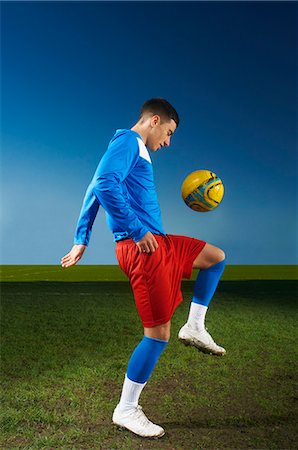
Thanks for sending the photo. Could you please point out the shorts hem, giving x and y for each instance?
(156, 323)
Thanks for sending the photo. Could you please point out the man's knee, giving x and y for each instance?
(162, 332)
(218, 257)
(209, 256)
(221, 255)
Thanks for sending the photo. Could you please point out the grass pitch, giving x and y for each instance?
(65, 348)
(83, 272)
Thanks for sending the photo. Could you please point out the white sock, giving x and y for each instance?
(131, 392)
(196, 317)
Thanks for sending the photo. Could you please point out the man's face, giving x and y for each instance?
(160, 134)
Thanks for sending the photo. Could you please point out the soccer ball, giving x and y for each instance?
(202, 190)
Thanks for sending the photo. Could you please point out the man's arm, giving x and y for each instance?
(87, 216)
(105, 190)
(116, 164)
(83, 231)
(84, 228)
(114, 167)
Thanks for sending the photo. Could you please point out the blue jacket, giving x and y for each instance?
(123, 184)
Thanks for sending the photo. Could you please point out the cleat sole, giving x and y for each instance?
(122, 428)
(191, 343)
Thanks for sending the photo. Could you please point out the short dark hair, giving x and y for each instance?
(162, 108)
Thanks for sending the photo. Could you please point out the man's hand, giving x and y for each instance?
(148, 243)
(73, 256)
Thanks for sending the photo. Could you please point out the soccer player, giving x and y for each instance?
(155, 262)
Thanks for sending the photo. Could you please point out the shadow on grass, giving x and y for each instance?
(249, 421)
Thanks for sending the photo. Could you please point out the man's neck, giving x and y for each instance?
(140, 130)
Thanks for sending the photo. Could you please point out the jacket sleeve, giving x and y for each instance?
(120, 158)
(87, 216)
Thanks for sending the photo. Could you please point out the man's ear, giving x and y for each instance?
(155, 120)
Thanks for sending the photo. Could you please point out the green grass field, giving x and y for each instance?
(114, 273)
(65, 348)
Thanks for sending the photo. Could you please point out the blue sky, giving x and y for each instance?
(74, 72)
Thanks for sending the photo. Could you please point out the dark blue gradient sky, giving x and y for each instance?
(74, 72)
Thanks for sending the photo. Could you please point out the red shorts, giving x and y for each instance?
(156, 277)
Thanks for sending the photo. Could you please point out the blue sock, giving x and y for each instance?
(144, 358)
(206, 283)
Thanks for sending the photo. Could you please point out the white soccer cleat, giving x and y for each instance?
(136, 421)
(200, 339)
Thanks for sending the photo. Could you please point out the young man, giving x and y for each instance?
(155, 262)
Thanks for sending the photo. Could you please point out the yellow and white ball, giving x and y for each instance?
(202, 190)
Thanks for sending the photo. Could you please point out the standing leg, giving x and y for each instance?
(128, 413)
(211, 262)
